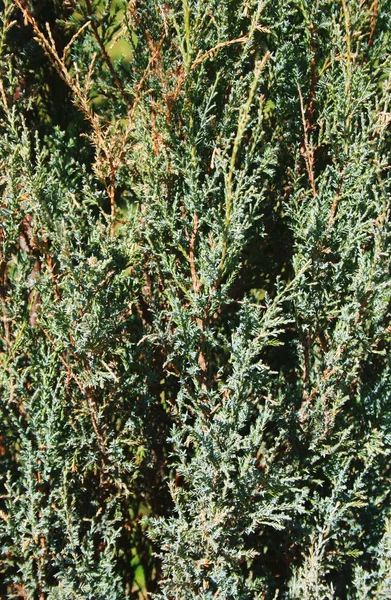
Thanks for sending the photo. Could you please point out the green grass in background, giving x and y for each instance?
(119, 49)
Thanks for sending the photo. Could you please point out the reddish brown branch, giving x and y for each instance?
(374, 17)
(308, 150)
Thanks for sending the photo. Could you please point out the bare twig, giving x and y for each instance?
(194, 278)
(201, 57)
(374, 16)
(308, 148)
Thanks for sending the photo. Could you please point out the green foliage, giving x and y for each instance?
(195, 291)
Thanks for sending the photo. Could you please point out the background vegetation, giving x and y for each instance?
(195, 297)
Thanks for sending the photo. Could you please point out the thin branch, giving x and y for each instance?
(201, 57)
(106, 57)
(194, 278)
(308, 149)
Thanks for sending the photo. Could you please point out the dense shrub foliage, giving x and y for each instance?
(195, 299)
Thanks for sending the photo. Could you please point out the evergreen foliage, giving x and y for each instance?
(195, 292)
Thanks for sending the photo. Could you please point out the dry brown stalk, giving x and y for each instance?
(201, 57)
(333, 209)
(374, 16)
(308, 148)
(50, 265)
(154, 55)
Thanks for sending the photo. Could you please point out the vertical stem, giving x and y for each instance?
(308, 149)
(111, 194)
(186, 14)
(242, 124)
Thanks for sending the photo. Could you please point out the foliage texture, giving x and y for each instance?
(195, 299)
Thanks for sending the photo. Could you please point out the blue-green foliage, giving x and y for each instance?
(195, 290)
